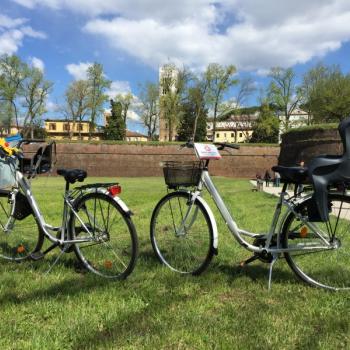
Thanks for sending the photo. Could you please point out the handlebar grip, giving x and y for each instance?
(222, 145)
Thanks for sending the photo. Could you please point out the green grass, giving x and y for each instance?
(224, 308)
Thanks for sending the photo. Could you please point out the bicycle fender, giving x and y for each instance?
(118, 200)
(213, 222)
(123, 206)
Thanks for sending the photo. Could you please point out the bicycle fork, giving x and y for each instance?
(181, 231)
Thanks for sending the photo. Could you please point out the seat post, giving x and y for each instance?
(67, 186)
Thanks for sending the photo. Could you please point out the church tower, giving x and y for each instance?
(168, 78)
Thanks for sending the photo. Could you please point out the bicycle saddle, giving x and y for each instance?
(326, 170)
(72, 175)
(294, 175)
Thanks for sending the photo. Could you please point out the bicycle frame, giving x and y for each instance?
(239, 233)
(68, 210)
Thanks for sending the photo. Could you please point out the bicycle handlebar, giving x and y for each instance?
(220, 145)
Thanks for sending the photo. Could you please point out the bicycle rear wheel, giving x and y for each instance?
(328, 268)
(112, 246)
(184, 245)
(23, 236)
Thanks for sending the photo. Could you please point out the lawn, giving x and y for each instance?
(224, 308)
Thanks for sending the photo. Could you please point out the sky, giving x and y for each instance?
(133, 38)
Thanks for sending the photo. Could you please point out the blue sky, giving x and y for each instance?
(133, 38)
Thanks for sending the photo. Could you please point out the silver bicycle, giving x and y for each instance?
(96, 223)
(184, 233)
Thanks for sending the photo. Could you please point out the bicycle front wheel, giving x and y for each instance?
(182, 233)
(20, 237)
(328, 267)
(111, 246)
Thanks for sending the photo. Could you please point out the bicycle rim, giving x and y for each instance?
(184, 246)
(328, 268)
(21, 238)
(111, 250)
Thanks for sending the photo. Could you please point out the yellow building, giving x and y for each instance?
(135, 136)
(64, 129)
(236, 129)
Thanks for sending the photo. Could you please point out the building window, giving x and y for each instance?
(66, 127)
(52, 126)
(232, 134)
(80, 127)
(217, 135)
(240, 134)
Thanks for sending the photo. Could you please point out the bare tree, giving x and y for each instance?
(246, 88)
(97, 97)
(283, 92)
(149, 107)
(36, 91)
(76, 105)
(219, 80)
(13, 72)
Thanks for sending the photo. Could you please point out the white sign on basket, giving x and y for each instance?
(206, 151)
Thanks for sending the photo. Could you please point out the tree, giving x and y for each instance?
(125, 100)
(219, 79)
(35, 90)
(283, 92)
(311, 80)
(97, 97)
(13, 72)
(327, 94)
(266, 127)
(246, 88)
(115, 128)
(76, 105)
(149, 107)
(193, 124)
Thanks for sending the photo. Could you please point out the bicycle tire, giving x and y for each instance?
(189, 252)
(19, 241)
(329, 268)
(113, 249)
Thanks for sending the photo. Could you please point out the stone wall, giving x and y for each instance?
(144, 160)
(306, 144)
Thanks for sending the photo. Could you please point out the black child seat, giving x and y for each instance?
(72, 175)
(326, 170)
(322, 172)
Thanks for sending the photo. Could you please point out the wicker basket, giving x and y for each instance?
(182, 174)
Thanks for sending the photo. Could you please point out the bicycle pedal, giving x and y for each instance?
(248, 261)
(37, 256)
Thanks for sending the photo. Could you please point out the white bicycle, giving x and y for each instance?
(184, 234)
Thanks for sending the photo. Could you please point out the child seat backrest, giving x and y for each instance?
(344, 132)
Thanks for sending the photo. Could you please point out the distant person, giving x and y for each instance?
(267, 178)
(300, 186)
(259, 182)
(277, 179)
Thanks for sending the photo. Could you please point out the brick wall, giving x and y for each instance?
(144, 160)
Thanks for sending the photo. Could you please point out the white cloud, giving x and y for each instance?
(37, 63)
(8, 22)
(132, 115)
(119, 87)
(51, 107)
(12, 34)
(78, 71)
(248, 33)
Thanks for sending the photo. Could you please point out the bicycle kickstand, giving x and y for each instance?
(63, 250)
(274, 259)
